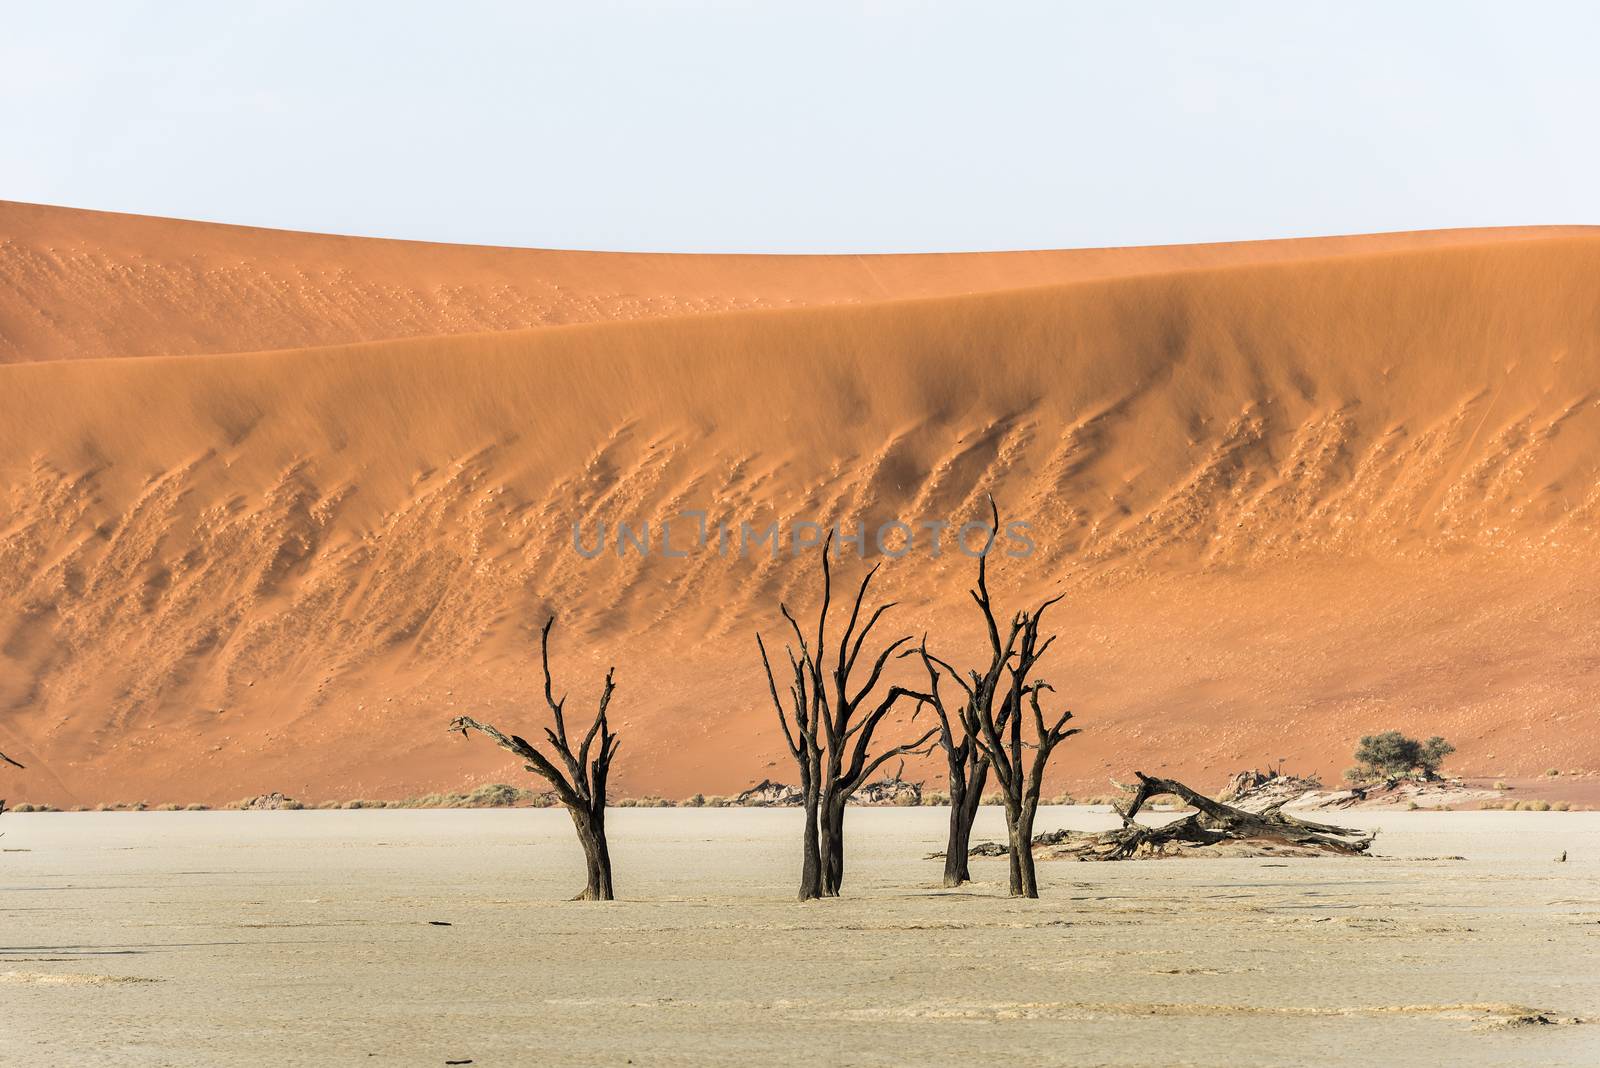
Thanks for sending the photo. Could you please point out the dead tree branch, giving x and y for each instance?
(1000, 698)
(830, 723)
(1211, 824)
(580, 782)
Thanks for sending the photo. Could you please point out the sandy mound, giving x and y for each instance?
(1325, 490)
(82, 284)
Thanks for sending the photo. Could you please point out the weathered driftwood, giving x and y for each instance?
(581, 786)
(893, 789)
(829, 724)
(1211, 824)
(1257, 791)
(769, 794)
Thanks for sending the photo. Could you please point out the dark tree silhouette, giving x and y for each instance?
(581, 786)
(830, 729)
(998, 700)
(966, 760)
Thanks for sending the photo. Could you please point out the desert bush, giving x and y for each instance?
(489, 795)
(1552, 772)
(197, 808)
(169, 807)
(1391, 755)
(697, 801)
(1560, 806)
(497, 795)
(1538, 806)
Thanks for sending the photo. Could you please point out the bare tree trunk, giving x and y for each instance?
(811, 845)
(960, 838)
(591, 829)
(833, 845)
(966, 797)
(1016, 847)
(1027, 878)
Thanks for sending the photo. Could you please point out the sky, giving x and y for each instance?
(807, 126)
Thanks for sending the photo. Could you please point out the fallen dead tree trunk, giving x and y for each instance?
(1212, 824)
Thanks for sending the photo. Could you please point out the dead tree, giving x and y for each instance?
(1212, 823)
(14, 764)
(1000, 699)
(892, 789)
(580, 784)
(965, 759)
(830, 724)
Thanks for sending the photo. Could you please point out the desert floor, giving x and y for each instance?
(223, 938)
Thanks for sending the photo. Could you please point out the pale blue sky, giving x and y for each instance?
(807, 126)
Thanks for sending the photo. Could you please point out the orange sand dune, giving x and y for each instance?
(77, 284)
(1294, 492)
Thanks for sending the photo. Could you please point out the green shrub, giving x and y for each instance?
(1391, 755)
